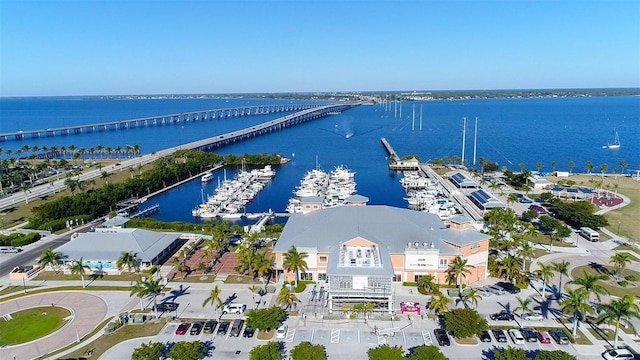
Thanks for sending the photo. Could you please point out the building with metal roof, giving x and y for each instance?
(101, 249)
(461, 181)
(485, 201)
(360, 251)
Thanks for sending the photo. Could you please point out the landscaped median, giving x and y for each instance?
(31, 324)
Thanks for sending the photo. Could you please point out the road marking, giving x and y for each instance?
(335, 336)
(427, 338)
(290, 334)
(313, 331)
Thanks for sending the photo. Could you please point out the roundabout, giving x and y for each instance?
(31, 324)
(86, 310)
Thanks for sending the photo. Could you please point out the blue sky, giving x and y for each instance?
(51, 48)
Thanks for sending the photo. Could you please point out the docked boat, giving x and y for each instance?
(206, 177)
(333, 188)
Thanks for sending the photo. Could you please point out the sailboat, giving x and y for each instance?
(615, 144)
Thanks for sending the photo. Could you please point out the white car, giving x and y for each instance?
(533, 316)
(516, 336)
(281, 332)
(618, 354)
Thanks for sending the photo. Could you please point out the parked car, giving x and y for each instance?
(236, 328)
(182, 328)
(485, 337)
(483, 291)
(234, 308)
(196, 328)
(499, 335)
(223, 327)
(536, 316)
(529, 335)
(618, 354)
(209, 326)
(508, 287)
(543, 337)
(167, 306)
(559, 336)
(516, 336)
(248, 331)
(503, 316)
(441, 337)
(525, 200)
(281, 332)
(497, 290)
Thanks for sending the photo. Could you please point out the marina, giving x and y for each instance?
(232, 195)
(321, 189)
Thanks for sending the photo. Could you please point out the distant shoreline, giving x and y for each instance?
(402, 95)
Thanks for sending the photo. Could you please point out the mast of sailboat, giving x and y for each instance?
(420, 117)
(395, 109)
(400, 109)
(464, 137)
(413, 119)
(475, 139)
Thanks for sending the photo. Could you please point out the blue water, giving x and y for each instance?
(510, 132)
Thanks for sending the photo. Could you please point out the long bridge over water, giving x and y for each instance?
(202, 115)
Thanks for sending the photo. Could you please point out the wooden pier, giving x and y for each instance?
(394, 160)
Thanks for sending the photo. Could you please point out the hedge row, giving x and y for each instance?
(18, 239)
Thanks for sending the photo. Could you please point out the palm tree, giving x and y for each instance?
(525, 251)
(509, 267)
(623, 164)
(576, 304)
(512, 198)
(544, 273)
(294, 261)
(472, 297)
(458, 269)
(149, 287)
(78, 268)
(214, 298)
(523, 306)
(440, 303)
(590, 284)
(554, 164)
(368, 308)
(619, 310)
(572, 164)
(286, 297)
(50, 257)
(427, 282)
(589, 165)
(562, 268)
(126, 259)
(620, 260)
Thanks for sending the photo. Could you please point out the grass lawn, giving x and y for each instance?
(200, 278)
(635, 250)
(466, 341)
(611, 284)
(604, 334)
(13, 288)
(31, 324)
(60, 275)
(241, 279)
(107, 341)
(66, 288)
(625, 217)
(266, 335)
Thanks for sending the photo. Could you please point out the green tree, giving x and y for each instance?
(472, 297)
(510, 353)
(307, 351)
(523, 306)
(214, 298)
(126, 259)
(286, 298)
(620, 260)
(188, 350)
(465, 322)
(270, 351)
(266, 318)
(386, 352)
(428, 284)
(148, 351)
(572, 164)
(149, 287)
(50, 257)
(426, 352)
(590, 283)
(78, 268)
(544, 273)
(576, 304)
(294, 261)
(440, 303)
(509, 267)
(554, 355)
(562, 268)
(620, 310)
(458, 269)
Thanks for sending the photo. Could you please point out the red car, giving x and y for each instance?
(182, 328)
(543, 337)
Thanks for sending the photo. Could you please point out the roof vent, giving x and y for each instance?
(417, 244)
(424, 244)
(432, 245)
(409, 244)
